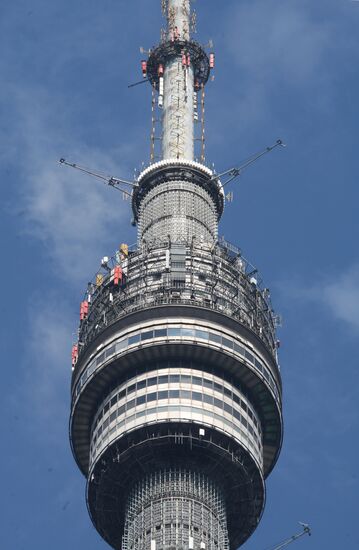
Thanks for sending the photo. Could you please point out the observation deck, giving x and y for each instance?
(185, 342)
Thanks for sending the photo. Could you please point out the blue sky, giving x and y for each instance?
(285, 68)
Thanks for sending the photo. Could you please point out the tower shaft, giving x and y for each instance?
(178, 87)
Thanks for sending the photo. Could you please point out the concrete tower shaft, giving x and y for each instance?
(178, 18)
(177, 139)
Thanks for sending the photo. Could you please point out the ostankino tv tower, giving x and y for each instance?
(176, 392)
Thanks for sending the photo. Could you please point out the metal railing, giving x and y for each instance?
(218, 279)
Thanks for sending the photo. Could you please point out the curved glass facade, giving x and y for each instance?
(177, 394)
(185, 333)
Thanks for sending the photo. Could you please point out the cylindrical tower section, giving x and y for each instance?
(175, 508)
(178, 18)
(178, 109)
(178, 200)
(178, 84)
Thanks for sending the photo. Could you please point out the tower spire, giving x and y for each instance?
(178, 86)
(178, 68)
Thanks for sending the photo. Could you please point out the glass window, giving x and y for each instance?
(218, 403)
(105, 424)
(131, 404)
(197, 380)
(134, 339)
(228, 343)
(121, 345)
(185, 394)
(258, 364)
(162, 395)
(113, 401)
(237, 415)
(174, 378)
(100, 359)
(207, 383)
(152, 381)
(249, 356)
(197, 396)
(174, 394)
(131, 388)
(160, 333)
(174, 332)
(186, 379)
(215, 337)
(151, 397)
(139, 414)
(147, 335)
(163, 379)
(236, 399)
(121, 394)
(141, 400)
(218, 387)
(227, 392)
(113, 416)
(239, 349)
(141, 384)
(201, 334)
(106, 407)
(227, 408)
(244, 407)
(208, 399)
(188, 332)
(110, 351)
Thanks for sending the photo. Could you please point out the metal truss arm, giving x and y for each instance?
(110, 180)
(233, 173)
(306, 531)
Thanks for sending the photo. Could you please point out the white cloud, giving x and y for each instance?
(272, 38)
(279, 49)
(70, 213)
(42, 396)
(342, 297)
(339, 294)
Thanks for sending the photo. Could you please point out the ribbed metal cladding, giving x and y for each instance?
(180, 210)
(177, 509)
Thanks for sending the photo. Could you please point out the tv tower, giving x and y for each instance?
(176, 391)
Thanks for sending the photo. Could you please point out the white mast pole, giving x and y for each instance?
(178, 87)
